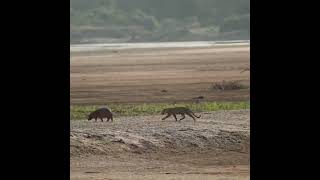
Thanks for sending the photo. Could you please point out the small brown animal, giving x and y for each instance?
(179, 110)
(101, 113)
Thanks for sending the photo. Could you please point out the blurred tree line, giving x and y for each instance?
(159, 20)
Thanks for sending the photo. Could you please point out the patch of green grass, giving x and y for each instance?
(82, 111)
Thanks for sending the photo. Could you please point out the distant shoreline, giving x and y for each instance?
(111, 46)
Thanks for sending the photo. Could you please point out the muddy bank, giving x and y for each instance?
(220, 131)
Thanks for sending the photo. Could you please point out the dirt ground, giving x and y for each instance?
(139, 75)
(216, 146)
(145, 147)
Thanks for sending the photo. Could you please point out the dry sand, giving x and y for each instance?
(139, 75)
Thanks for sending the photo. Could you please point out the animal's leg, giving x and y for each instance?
(101, 119)
(95, 119)
(194, 119)
(168, 115)
(195, 115)
(175, 117)
(183, 116)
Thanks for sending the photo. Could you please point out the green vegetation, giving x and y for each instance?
(81, 112)
(159, 20)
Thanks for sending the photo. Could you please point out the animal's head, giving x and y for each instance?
(90, 117)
